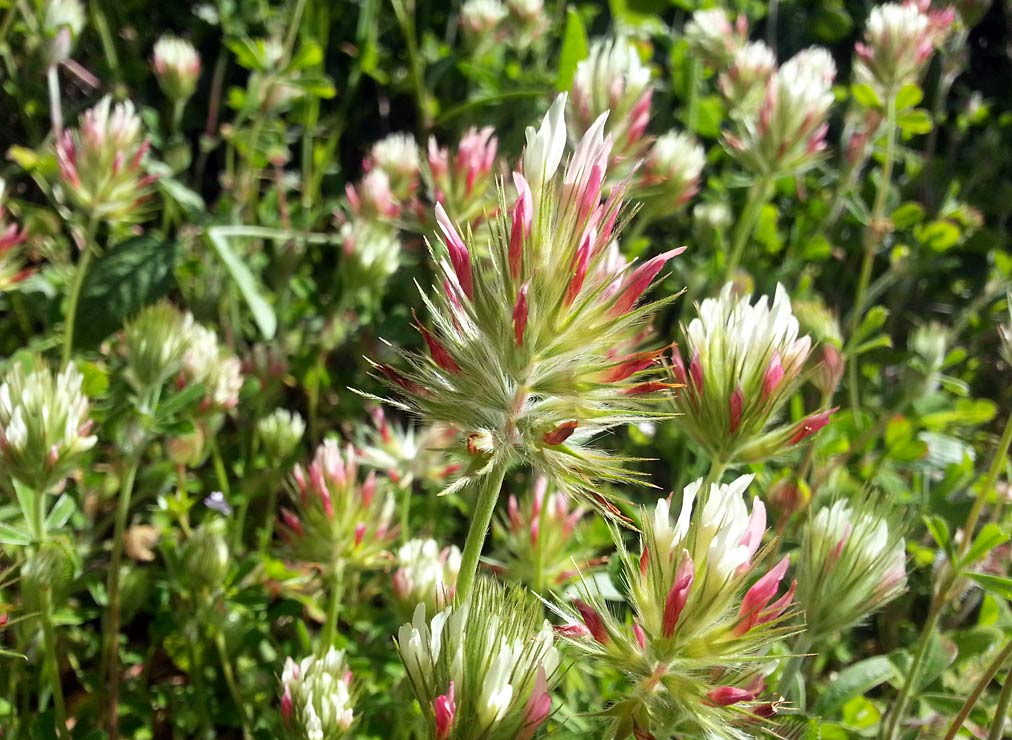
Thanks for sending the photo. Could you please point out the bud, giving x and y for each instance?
(280, 433)
(12, 264)
(787, 133)
(209, 364)
(746, 363)
(899, 40)
(852, 563)
(543, 541)
(492, 659)
(205, 554)
(316, 699)
(555, 289)
(425, 575)
(713, 39)
(335, 518)
(177, 67)
(612, 79)
(154, 344)
(744, 82)
(101, 163)
(689, 588)
(62, 25)
(398, 158)
(407, 453)
(670, 173)
(44, 424)
(480, 19)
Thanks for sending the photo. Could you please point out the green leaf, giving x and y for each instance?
(133, 274)
(248, 285)
(914, 122)
(574, 50)
(939, 530)
(189, 200)
(61, 512)
(11, 536)
(908, 96)
(939, 236)
(310, 54)
(998, 585)
(908, 215)
(990, 537)
(854, 681)
(866, 96)
(27, 498)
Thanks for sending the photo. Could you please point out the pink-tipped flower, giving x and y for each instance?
(12, 265)
(520, 315)
(426, 575)
(445, 710)
(744, 82)
(810, 426)
(715, 38)
(678, 595)
(755, 607)
(177, 67)
(101, 163)
(464, 182)
(397, 157)
(520, 229)
(460, 258)
(538, 707)
(592, 619)
(670, 173)
(640, 279)
(316, 698)
(747, 361)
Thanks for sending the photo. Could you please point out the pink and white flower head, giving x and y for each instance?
(371, 253)
(154, 344)
(44, 424)
(786, 134)
(741, 362)
(613, 80)
(543, 540)
(206, 362)
(464, 182)
(102, 163)
(407, 453)
(535, 350)
(670, 173)
(714, 38)
(373, 198)
(484, 669)
(480, 19)
(426, 575)
(398, 157)
(317, 701)
(743, 83)
(899, 40)
(334, 517)
(852, 563)
(706, 607)
(12, 264)
(177, 67)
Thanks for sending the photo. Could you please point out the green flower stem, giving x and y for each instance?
(75, 290)
(52, 664)
(758, 195)
(233, 686)
(405, 13)
(799, 653)
(113, 589)
(406, 492)
(488, 495)
(997, 464)
(1001, 710)
(271, 516)
(336, 585)
(692, 105)
(873, 235)
(899, 709)
(197, 676)
(978, 689)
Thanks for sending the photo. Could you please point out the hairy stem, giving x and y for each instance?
(52, 664)
(488, 495)
(74, 297)
(336, 585)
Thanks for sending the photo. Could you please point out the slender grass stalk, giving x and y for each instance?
(899, 709)
(233, 686)
(405, 13)
(997, 464)
(52, 664)
(336, 586)
(758, 195)
(481, 518)
(1001, 710)
(978, 690)
(74, 297)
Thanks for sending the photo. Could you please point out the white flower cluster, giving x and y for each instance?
(426, 574)
(317, 702)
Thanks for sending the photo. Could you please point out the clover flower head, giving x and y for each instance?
(12, 264)
(464, 183)
(426, 575)
(407, 453)
(334, 517)
(102, 162)
(154, 345)
(317, 701)
(612, 78)
(44, 424)
(481, 18)
(177, 67)
(694, 654)
(899, 40)
(671, 170)
(542, 540)
(208, 363)
(745, 361)
(537, 349)
(398, 157)
(483, 668)
(713, 37)
(786, 134)
(852, 563)
(280, 433)
(744, 81)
